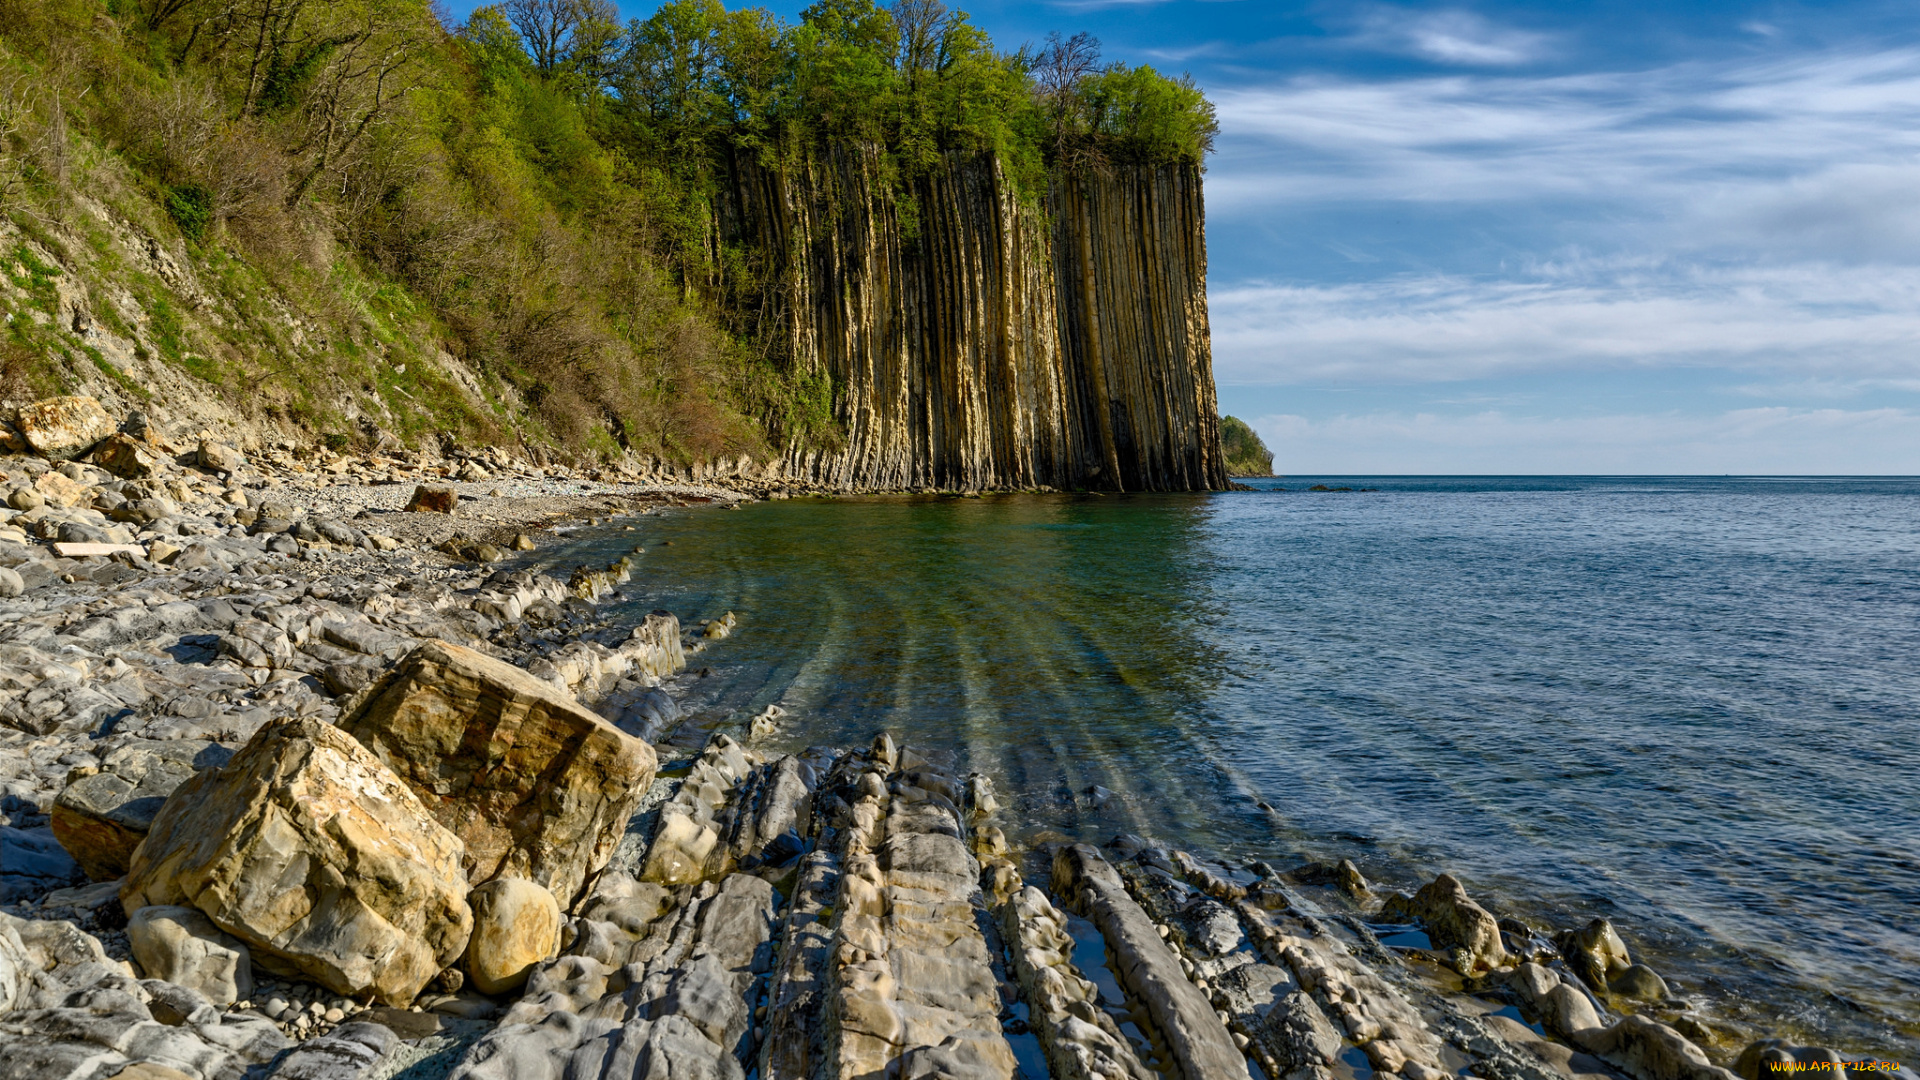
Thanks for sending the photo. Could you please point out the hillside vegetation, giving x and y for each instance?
(348, 221)
(1246, 455)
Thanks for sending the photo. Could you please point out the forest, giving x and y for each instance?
(361, 187)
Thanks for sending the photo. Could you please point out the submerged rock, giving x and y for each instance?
(535, 785)
(312, 852)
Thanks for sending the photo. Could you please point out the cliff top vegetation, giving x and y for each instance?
(1241, 446)
(349, 217)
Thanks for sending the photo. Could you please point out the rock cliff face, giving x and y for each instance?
(978, 340)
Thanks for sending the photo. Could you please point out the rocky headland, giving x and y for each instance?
(301, 775)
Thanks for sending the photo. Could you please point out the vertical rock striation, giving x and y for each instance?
(978, 339)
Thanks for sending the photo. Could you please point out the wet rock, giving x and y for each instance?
(534, 784)
(1562, 1007)
(431, 499)
(1595, 952)
(1148, 969)
(1648, 1050)
(1081, 1041)
(63, 428)
(516, 924)
(312, 852)
(182, 946)
(102, 817)
(1453, 922)
(129, 458)
(1342, 875)
(1639, 982)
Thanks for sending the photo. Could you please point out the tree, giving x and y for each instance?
(1059, 70)
(579, 37)
(919, 24)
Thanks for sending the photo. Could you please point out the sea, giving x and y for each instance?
(1690, 705)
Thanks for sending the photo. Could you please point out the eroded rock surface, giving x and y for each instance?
(535, 785)
(312, 852)
(102, 816)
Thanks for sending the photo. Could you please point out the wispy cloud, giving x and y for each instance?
(1449, 37)
(1767, 441)
(1688, 132)
(1756, 217)
(1833, 322)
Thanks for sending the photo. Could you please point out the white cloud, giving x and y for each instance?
(1764, 441)
(1450, 37)
(1834, 323)
(1680, 138)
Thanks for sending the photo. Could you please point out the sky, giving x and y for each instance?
(1569, 237)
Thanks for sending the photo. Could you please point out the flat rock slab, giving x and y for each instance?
(101, 818)
(1201, 1047)
(87, 550)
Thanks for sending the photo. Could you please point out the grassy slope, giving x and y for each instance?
(469, 269)
(345, 222)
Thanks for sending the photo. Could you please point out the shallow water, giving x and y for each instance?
(1688, 705)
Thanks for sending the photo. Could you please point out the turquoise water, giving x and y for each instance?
(1688, 705)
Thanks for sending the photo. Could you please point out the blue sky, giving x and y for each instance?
(1549, 238)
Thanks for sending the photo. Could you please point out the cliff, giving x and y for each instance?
(975, 339)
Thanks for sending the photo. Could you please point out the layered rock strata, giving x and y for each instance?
(533, 784)
(1004, 339)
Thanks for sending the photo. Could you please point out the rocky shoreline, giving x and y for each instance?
(295, 782)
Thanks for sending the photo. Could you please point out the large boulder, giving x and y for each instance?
(183, 947)
(100, 818)
(318, 857)
(64, 428)
(433, 499)
(218, 457)
(1468, 932)
(516, 924)
(129, 458)
(534, 784)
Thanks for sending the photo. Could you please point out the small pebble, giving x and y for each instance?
(334, 1016)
